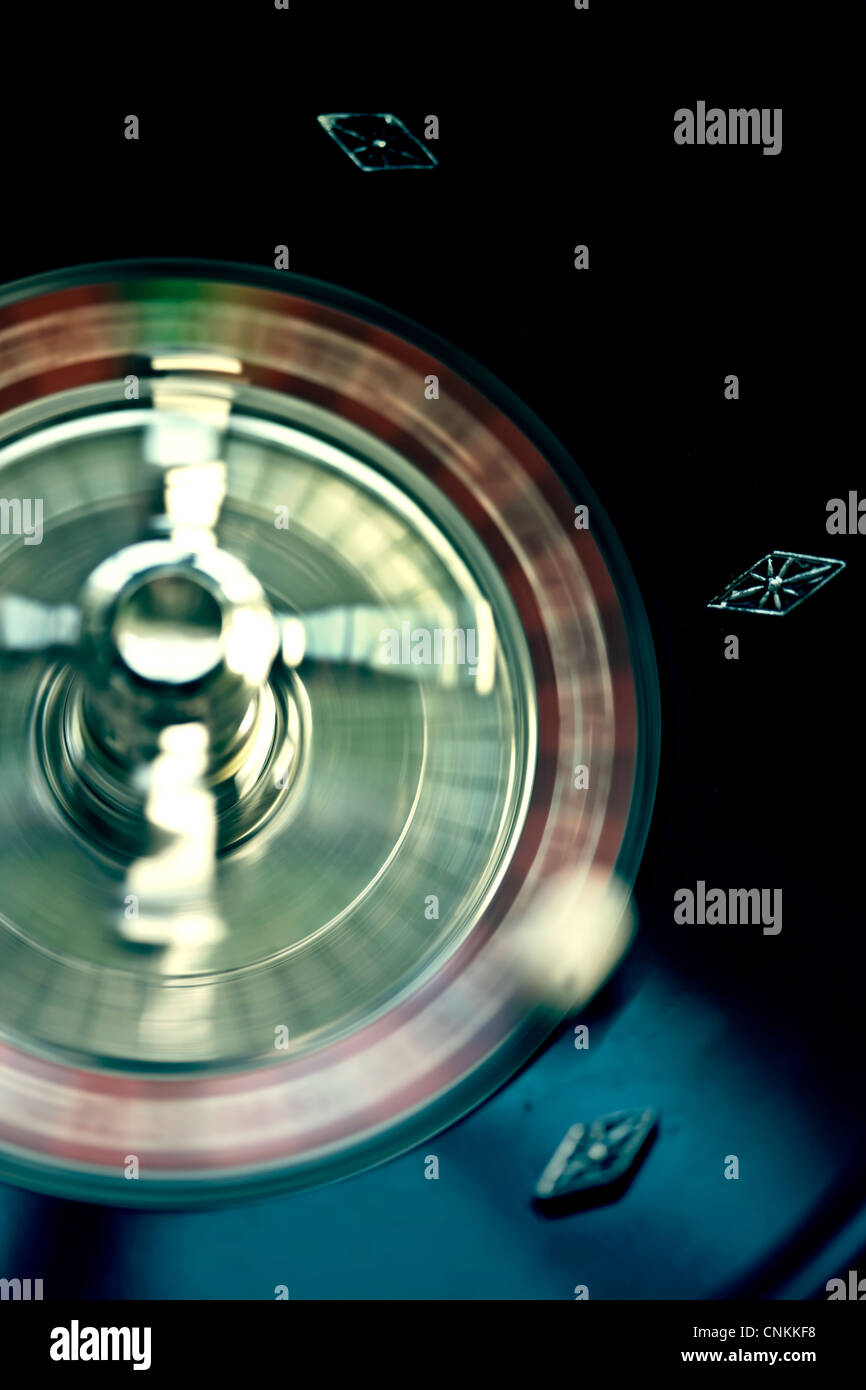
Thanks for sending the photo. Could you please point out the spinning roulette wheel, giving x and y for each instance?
(328, 734)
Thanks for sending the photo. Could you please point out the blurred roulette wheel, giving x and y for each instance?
(328, 734)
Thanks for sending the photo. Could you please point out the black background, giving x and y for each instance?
(556, 128)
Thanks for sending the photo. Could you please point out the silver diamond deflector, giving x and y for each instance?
(597, 1158)
(376, 142)
(778, 583)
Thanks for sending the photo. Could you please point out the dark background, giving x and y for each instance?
(556, 128)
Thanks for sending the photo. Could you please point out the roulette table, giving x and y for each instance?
(319, 932)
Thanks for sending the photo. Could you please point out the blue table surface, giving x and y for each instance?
(681, 1230)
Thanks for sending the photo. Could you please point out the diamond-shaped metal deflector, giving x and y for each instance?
(596, 1156)
(375, 142)
(777, 584)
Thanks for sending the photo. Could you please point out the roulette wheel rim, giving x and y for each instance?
(73, 1159)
